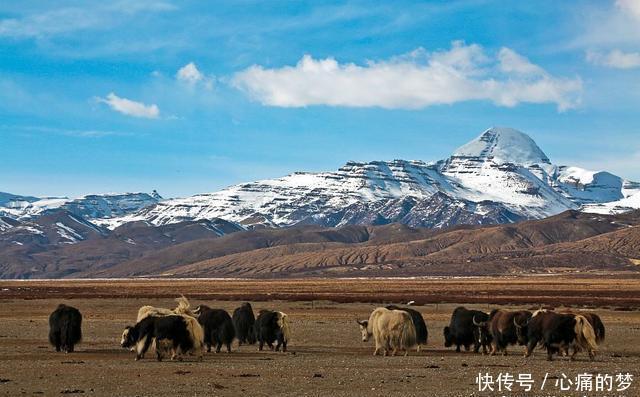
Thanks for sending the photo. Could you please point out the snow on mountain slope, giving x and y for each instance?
(53, 228)
(586, 186)
(8, 199)
(93, 207)
(503, 145)
(501, 176)
(615, 207)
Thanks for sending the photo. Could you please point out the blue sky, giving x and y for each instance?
(189, 97)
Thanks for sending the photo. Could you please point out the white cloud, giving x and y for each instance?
(131, 108)
(630, 6)
(615, 59)
(190, 74)
(65, 20)
(512, 62)
(413, 81)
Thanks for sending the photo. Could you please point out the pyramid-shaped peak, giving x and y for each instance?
(504, 145)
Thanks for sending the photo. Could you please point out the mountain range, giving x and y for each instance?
(500, 178)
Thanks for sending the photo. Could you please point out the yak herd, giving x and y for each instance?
(184, 331)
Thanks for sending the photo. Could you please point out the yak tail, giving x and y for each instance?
(197, 333)
(184, 307)
(598, 327)
(585, 334)
(71, 331)
(283, 323)
(407, 335)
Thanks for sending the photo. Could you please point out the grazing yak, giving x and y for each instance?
(243, 321)
(184, 307)
(501, 325)
(272, 326)
(422, 333)
(463, 330)
(65, 328)
(179, 333)
(392, 330)
(218, 327)
(558, 332)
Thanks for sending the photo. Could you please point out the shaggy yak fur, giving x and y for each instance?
(65, 328)
(392, 330)
(271, 326)
(422, 334)
(178, 333)
(243, 321)
(218, 327)
(184, 307)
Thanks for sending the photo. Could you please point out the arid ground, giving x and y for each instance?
(326, 354)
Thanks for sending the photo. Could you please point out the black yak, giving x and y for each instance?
(420, 325)
(463, 330)
(502, 327)
(65, 328)
(270, 327)
(558, 332)
(218, 327)
(243, 321)
(182, 334)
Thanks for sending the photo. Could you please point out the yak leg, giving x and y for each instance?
(530, 347)
(142, 346)
(378, 345)
(549, 354)
(494, 349)
(229, 347)
(457, 348)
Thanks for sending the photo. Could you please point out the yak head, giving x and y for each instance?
(129, 337)
(448, 338)
(481, 331)
(521, 324)
(364, 325)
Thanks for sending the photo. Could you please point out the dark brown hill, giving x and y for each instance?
(571, 241)
(391, 250)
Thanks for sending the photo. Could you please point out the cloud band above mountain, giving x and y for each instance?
(413, 81)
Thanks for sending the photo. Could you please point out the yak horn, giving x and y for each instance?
(515, 322)
(477, 324)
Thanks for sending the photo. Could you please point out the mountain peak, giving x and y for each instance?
(504, 145)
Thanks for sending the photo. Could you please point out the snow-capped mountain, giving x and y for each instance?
(54, 228)
(501, 176)
(95, 207)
